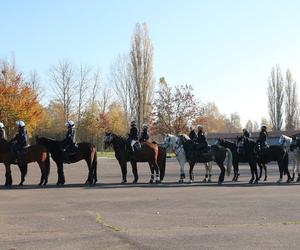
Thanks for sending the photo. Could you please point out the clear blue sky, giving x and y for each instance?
(224, 49)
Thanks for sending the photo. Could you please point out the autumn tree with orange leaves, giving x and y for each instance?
(18, 100)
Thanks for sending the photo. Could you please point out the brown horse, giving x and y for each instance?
(35, 153)
(149, 152)
(86, 151)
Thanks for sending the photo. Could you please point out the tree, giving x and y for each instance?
(123, 87)
(233, 123)
(18, 100)
(173, 109)
(291, 102)
(249, 126)
(82, 87)
(255, 126)
(141, 56)
(275, 98)
(62, 76)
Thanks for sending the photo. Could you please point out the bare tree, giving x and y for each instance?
(62, 76)
(291, 102)
(275, 98)
(121, 79)
(105, 98)
(249, 126)
(141, 56)
(82, 87)
(95, 87)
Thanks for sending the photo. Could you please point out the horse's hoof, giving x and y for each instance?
(265, 179)
(256, 182)
(134, 181)
(157, 181)
(20, 184)
(251, 181)
(204, 180)
(209, 181)
(180, 181)
(124, 182)
(279, 181)
(220, 182)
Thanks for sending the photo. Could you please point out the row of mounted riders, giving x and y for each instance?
(137, 148)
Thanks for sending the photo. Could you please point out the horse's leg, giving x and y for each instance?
(209, 171)
(236, 171)
(252, 172)
(298, 165)
(260, 170)
(60, 173)
(157, 177)
(152, 173)
(181, 172)
(123, 166)
(23, 170)
(192, 164)
(222, 174)
(280, 172)
(266, 172)
(206, 172)
(8, 178)
(90, 177)
(134, 172)
(42, 173)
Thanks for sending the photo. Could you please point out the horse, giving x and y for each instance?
(294, 151)
(216, 153)
(276, 153)
(35, 153)
(236, 158)
(85, 151)
(149, 152)
(172, 141)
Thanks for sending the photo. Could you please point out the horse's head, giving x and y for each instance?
(295, 143)
(282, 140)
(171, 141)
(220, 141)
(108, 138)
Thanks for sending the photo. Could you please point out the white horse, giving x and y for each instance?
(294, 155)
(173, 142)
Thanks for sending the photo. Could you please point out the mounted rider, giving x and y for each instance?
(133, 136)
(262, 138)
(19, 142)
(246, 134)
(69, 143)
(2, 132)
(192, 134)
(144, 134)
(201, 139)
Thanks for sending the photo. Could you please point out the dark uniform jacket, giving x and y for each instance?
(201, 139)
(144, 135)
(262, 139)
(70, 137)
(133, 134)
(246, 134)
(193, 135)
(20, 138)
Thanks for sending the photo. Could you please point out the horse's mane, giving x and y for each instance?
(186, 137)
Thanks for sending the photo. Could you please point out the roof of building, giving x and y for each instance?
(272, 134)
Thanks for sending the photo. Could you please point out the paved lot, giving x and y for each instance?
(144, 216)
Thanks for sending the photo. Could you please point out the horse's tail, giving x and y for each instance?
(285, 162)
(94, 165)
(47, 164)
(162, 156)
(229, 161)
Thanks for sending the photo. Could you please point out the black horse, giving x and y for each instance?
(272, 153)
(85, 151)
(238, 157)
(216, 153)
(149, 152)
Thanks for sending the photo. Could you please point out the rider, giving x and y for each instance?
(2, 132)
(192, 134)
(20, 140)
(201, 138)
(246, 134)
(69, 141)
(262, 139)
(132, 136)
(144, 134)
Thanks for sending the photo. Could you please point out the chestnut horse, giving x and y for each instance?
(149, 152)
(86, 151)
(35, 153)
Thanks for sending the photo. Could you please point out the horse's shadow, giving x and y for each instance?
(164, 185)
